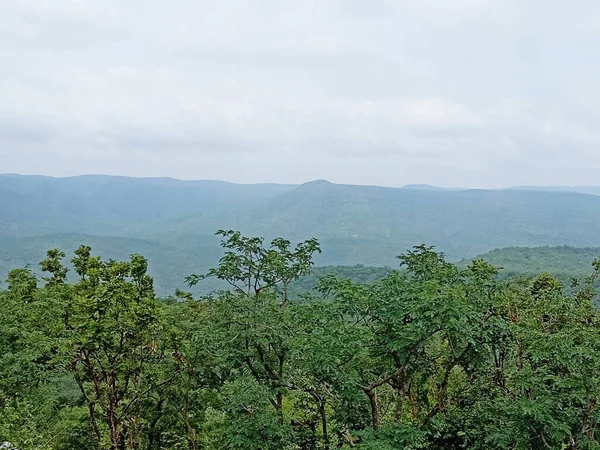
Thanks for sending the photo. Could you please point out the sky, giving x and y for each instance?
(470, 93)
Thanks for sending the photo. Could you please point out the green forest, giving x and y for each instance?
(428, 355)
(172, 222)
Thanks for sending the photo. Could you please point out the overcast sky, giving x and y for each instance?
(474, 93)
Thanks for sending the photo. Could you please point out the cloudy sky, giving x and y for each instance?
(476, 93)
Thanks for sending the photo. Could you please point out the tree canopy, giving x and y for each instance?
(433, 355)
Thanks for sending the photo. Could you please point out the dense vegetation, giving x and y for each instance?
(560, 261)
(435, 356)
(172, 222)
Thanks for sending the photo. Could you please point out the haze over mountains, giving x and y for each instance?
(172, 222)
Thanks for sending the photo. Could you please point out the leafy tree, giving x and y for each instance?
(434, 355)
(249, 267)
(112, 322)
(257, 328)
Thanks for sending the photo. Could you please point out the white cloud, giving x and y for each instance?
(436, 91)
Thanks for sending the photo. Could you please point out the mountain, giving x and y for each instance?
(376, 223)
(100, 204)
(592, 190)
(173, 222)
(428, 187)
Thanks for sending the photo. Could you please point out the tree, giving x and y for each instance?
(249, 267)
(113, 323)
(435, 355)
(255, 326)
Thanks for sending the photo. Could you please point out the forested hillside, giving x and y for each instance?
(432, 356)
(560, 261)
(172, 222)
(116, 206)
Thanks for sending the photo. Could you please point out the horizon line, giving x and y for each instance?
(416, 186)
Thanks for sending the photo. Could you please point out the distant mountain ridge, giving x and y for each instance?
(98, 204)
(592, 190)
(174, 221)
(428, 187)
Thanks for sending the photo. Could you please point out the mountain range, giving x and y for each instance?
(172, 222)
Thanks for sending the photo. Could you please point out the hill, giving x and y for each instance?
(564, 262)
(105, 205)
(172, 222)
(592, 190)
(374, 224)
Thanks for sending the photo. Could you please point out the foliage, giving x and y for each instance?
(434, 355)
